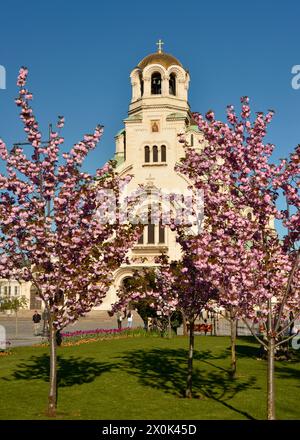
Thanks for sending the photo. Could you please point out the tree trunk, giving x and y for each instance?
(16, 323)
(233, 344)
(53, 372)
(215, 325)
(169, 327)
(271, 380)
(185, 332)
(188, 391)
(271, 363)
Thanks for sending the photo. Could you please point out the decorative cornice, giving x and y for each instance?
(150, 249)
(152, 164)
(171, 107)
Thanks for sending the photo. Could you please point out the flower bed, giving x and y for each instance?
(93, 333)
(79, 337)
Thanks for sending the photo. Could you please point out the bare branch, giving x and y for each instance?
(286, 339)
(256, 337)
(288, 325)
(285, 296)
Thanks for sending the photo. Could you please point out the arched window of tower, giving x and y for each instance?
(172, 84)
(163, 153)
(147, 154)
(161, 233)
(141, 238)
(155, 153)
(154, 233)
(141, 84)
(156, 83)
(151, 228)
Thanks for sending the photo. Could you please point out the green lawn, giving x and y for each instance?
(144, 378)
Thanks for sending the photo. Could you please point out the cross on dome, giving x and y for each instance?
(159, 45)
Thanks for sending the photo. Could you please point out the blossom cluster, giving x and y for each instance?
(238, 259)
(97, 331)
(239, 250)
(51, 235)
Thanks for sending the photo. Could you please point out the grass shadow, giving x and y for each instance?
(246, 346)
(70, 371)
(284, 371)
(254, 351)
(249, 351)
(248, 339)
(166, 370)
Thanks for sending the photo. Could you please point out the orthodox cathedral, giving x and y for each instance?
(148, 148)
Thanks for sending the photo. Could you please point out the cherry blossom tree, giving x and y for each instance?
(253, 268)
(58, 229)
(141, 291)
(174, 286)
(181, 285)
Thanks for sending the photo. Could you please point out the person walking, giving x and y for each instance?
(36, 318)
(129, 319)
(119, 319)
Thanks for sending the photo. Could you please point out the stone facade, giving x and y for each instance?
(12, 288)
(148, 148)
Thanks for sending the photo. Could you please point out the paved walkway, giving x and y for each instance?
(95, 319)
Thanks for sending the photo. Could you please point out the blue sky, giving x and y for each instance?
(80, 54)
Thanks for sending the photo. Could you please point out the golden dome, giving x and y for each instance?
(164, 59)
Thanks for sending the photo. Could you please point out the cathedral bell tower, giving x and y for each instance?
(148, 148)
(158, 110)
(159, 80)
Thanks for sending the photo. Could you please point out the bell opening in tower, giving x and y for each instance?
(156, 83)
(172, 84)
(141, 85)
